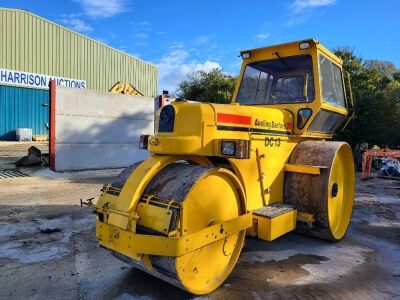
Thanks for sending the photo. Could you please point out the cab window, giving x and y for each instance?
(289, 87)
(276, 81)
(331, 82)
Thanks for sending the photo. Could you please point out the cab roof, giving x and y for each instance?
(312, 41)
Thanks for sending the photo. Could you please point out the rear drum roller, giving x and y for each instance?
(211, 195)
(329, 196)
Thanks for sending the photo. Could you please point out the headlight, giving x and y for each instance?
(304, 45)
(235, 148)
(245, 55)
(228, 148)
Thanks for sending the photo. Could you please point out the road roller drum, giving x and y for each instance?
(329, 196)
(212, 195)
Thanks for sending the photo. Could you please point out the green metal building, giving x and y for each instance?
(34, 50)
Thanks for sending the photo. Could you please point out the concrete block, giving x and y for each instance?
(98, 130)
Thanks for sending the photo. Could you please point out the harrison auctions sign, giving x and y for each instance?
(37, 80)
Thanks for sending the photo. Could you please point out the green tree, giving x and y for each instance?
(384, 67)
(213, 86)
(396, 76)
(376, 94)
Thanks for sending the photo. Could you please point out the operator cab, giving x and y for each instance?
(303, 77)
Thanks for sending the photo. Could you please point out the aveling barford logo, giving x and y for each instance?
(272, 124)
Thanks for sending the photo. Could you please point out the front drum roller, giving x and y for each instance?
(329, 196)
(211, 195)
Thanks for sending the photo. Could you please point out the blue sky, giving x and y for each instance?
(185, 36)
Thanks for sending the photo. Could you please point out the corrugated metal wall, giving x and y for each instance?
(22, 108)
(32, 44)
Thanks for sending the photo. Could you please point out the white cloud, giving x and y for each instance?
(175, 66)
(300, 5)
(201, 40)
(207, 66)
(75, 23)
(301, 10)
(103, 8)
(177, 45)
(262, 36)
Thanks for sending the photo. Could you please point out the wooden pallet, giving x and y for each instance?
(40, 137)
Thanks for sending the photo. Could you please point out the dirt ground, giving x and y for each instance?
(48, 250)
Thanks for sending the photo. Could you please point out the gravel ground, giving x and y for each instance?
(48, 250)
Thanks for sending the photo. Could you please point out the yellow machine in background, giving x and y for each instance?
(259, 166)
(125, 88)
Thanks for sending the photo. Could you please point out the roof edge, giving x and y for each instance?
(313, 40)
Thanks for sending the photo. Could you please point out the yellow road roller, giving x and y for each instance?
(260, 166)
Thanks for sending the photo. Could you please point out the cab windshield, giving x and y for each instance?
(276, 81)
